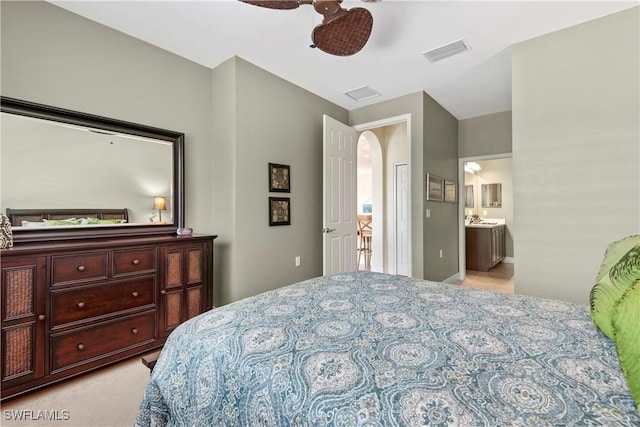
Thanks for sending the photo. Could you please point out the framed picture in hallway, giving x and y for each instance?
(279, 178)
(435, 188)
(450, 191)
(279, 211)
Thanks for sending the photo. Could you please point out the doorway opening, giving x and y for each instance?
(382, 146)
(369, 197)
(479, 184)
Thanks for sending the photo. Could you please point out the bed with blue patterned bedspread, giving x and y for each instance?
(367, 349)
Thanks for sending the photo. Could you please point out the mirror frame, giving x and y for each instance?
(469, 197)
(45, 112)
(486, 203)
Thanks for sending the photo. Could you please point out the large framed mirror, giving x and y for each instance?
(491, 195)
(468, 196)
(71, 175)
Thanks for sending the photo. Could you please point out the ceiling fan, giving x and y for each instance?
(342, 32)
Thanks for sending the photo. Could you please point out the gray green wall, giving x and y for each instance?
(575, 144)
(434, 136)
(266, 119)
(485, 135)
(54, 57)
(576, 152)
(236, 119)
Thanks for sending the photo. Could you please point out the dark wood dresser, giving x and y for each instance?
(72, 306)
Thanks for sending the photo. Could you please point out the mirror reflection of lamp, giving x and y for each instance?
(160, 203)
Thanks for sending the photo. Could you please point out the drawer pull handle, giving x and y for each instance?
(80, 346)
(80, 304)
(41, 317)
(134, 294)
(135, 262)
(163, 292)
(81, 268)
(134, 331)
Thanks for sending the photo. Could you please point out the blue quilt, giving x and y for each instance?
(369, 349)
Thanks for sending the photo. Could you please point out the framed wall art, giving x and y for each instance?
(279, 178)
(450, 191)
(435, 188)
(279, 211)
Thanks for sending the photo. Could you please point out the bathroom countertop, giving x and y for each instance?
(484, 225)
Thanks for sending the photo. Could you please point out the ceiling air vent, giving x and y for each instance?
(362, 93)
(447, 50)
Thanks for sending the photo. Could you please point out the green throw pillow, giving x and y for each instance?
(104, 221)
(626, 332)
(619, 271)
(71, 221)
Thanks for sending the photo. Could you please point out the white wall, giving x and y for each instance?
(576, 152)
(365, 171)
(396, 152)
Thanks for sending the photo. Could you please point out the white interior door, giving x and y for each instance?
(402, 219)
(339, 196)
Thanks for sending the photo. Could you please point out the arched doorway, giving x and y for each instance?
(370, 187)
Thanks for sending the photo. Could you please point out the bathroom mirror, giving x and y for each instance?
(491, 195)
(66, 161)
(468, 196)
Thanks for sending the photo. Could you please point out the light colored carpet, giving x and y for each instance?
(109, 397)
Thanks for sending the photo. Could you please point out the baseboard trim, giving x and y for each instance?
(453, 279)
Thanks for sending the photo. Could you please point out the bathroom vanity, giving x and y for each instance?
(484, 245)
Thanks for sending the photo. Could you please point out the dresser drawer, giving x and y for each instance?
(134, 261)
(91, 301)
(79, 267)
(101, 340)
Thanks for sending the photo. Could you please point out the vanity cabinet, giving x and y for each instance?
(69, 307)
(484, 247)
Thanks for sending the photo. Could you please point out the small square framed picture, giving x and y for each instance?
(279, 178)
(450, 191)
(435, 188)
(279, 211)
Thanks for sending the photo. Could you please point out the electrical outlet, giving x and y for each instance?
(297, 261)
(441, 255)
(427, 213)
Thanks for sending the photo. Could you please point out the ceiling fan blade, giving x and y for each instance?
(346, 34)
(274, 4)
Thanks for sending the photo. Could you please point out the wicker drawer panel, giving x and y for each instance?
(101, 340)
(134, 261)
(81, 267)
(92, 301)
(18, 345)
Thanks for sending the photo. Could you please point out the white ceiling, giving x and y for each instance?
(474, 83)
